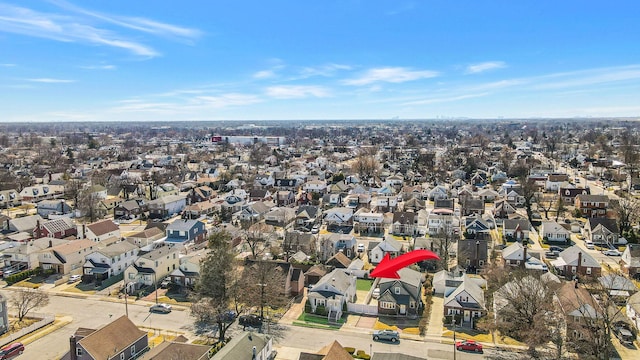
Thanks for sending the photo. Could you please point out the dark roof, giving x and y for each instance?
(404, 217)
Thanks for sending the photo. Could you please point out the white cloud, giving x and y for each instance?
(485, 66)
(225, 100)
(391, 75)
(51, 81)
(264, 74)
(297, 91)
(7, 65)
(326, 70)
(82, 28)
(99, 67)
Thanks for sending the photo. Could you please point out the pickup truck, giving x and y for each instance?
(389, 335)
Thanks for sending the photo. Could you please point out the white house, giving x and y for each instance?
(554, 232)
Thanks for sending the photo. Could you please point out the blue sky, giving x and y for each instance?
(63, 60)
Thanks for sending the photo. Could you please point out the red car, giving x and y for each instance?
(469, 345)
(11, 351)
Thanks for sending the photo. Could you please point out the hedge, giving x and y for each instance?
(12, 279)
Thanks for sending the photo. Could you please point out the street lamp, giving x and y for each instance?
(155, 284)
(453, 319)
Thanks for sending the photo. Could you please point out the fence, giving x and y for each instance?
(46, 320)
(362, 309)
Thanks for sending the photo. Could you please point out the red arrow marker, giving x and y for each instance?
(388, 268)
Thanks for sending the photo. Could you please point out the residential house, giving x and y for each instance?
(41, 192)
(475, 227)
(574, 261)
(514, 197)
(189, 270)
(166, 206)
(295, 241)
(315, 186)
(129, 210)
(338, 216)
(9, 198)
(404, 223)
(253, 212)
(487, 195)
(438, 192)
(472, 254)
(167, 189)
(389, 246)
(414, 204)
(633, 309)
(171, 350)
(57, 228)
(260, 195)
(555, 181)
(25, 255)
(4, 315)
(53, 207)
(401, 296)
(66, 257)
(285, 198)
(630, 261)
(247, 345)
(601, 231)
(580, 309)
(338, 261)
(331, 293)
(516, 229)
(384, 203)
(201, 193)
(366, 221)
(151, 267)
(551, 231)
(146, 238)
(592, 205)
(99, 231)
(568, 194)
(442, 221)
(472, 207)
(307, 216)
(445, 282)
(517, 255)
(281, 216)
(332, 243)
(502, 209)
(184, 231)
(108, 206)
(24, 224)
(618, 286)
(264, 181)
(287, 184)
(119, 340)
(314, 274)
(204, 208)
(332, 351)
(109, 261)
(466, 303)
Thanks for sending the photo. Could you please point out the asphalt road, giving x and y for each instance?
(93, 313)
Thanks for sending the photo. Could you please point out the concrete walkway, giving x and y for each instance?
(435, 317)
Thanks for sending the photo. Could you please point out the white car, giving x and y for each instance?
(376, 293)
(74, 278)
(315, 229)
(360, 247)
(612, 252)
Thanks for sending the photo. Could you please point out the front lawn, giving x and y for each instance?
(364, 284)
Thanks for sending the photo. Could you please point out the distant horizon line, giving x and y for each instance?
(395, 119)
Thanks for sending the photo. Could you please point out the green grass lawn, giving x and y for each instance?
(363, 284)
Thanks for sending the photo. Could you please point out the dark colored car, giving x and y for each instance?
(252, 320)
(556, 248)
(388, 335)
(11, 351)
(469, 345)
(160, 308)
(228, 316)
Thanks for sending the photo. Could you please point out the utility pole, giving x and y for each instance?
(453, 317)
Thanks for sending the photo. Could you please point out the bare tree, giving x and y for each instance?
(257, 237)
(559, 207)
(528, 190)
(628, 213)
(263, 282)
(544, 202)
(26, 300)
(366, 166)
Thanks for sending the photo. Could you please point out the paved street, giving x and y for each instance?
(93, 313)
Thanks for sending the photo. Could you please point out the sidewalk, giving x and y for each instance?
(434, 328)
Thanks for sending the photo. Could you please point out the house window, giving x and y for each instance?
(133, 349)
(132, 276)
(397, 290)
(121, 356)
(481, 262)
(79, 351)
(573, 269)
(588, 271)
(412, 304)
(387, 305)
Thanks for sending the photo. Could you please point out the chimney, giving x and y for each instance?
(84, 231)
(579, 263)
(477, 252)
(72, 348)
(253, 353)
(524, 253)
(38, 229)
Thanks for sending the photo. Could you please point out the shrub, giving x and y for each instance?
(350, 350)
(321, 310)
(307, 307)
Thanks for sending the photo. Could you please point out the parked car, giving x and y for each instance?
(315, 229)
(165, 283)
(624, 335)
(612, 252)
(360, 247)
(228, 316)
(388, 335)
(376, 293)
(160, 308)
(251, 320)
(74, 278)
(551, 254)
(556, 248)
(589, 244)
(12, 350)
(469, 345)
